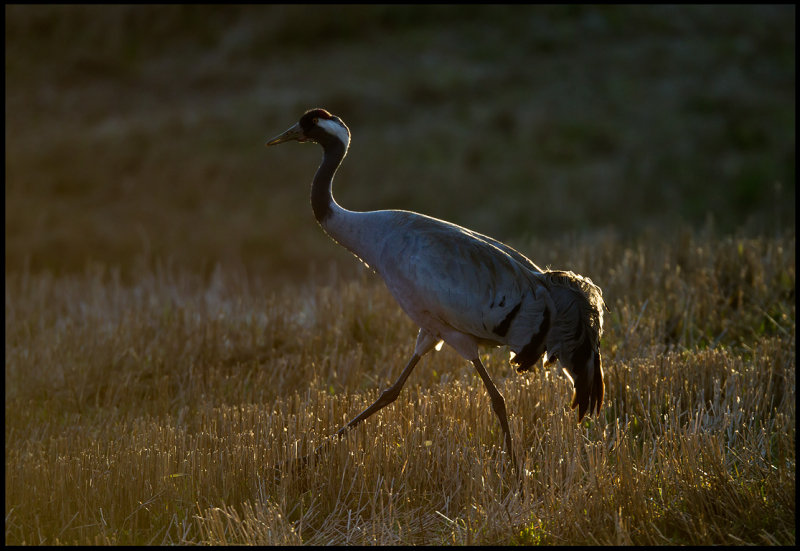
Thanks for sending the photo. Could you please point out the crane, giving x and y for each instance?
(461, 287)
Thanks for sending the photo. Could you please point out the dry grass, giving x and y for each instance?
(166, 347)
(154, 411)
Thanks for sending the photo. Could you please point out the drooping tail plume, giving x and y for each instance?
(574, 338)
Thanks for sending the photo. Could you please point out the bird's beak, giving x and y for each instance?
(294, 133)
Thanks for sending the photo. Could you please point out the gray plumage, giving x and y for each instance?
(462, 287)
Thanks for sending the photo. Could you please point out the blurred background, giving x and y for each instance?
(136, 133)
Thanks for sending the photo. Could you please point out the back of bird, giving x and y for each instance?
(574, 338)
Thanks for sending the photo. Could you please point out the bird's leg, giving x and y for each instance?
(387, 396)
(425, 342)
(499, 406)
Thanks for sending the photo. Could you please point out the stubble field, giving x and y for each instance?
(178, 328)
(156, 412)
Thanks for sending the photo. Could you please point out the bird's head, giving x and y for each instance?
(318, 126)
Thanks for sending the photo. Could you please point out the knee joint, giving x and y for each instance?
(389, 395)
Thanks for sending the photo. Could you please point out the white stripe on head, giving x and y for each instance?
(336, 129)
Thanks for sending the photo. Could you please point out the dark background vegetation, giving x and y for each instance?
(138, 132)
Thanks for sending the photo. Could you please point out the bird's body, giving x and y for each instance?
(460, 286)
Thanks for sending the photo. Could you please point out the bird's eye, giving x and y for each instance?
(315, 120)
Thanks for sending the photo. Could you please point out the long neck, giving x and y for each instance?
(321, 195)
(350, 229)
